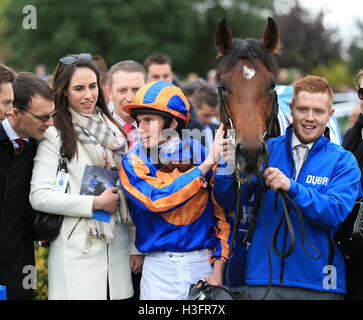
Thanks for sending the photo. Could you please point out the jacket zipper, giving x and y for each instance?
(285, 230)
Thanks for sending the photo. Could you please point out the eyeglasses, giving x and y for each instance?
(360, 93)
(44, 118)
(71, 58)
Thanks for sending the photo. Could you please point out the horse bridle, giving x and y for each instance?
(239, 180)
(223, 111)
(228, 120)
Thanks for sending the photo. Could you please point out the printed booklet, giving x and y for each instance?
(96, 180)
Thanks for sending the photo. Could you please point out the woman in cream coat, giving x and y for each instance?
(89, 259)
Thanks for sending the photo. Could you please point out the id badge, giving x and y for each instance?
(61, 182)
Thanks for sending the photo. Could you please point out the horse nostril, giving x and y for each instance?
(262, 150)
(241, 151)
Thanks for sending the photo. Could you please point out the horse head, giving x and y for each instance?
(246, 79)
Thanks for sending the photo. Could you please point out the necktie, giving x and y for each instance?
(128, 127)
(301, 152)
(21, 143)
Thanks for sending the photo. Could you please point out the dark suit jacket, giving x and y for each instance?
(353, 141)
(16, 221)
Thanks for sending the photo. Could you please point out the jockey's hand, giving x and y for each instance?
(214, 152)
(216, 277)
(227, 151)
(136, 263)
(275, 179)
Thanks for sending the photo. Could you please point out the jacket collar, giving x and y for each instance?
(318, 144)
(360, 120)
(3, 135)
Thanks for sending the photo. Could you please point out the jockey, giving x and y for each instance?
(182, 231)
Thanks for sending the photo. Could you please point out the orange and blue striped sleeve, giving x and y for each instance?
(152, 193)
(223, 228)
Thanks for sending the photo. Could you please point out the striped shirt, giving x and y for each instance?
(133, 135)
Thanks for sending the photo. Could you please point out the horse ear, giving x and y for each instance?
(271, 37)
(223, 38)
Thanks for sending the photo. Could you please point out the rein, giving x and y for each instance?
(240, 180)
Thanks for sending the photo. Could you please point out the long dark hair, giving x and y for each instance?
(63, 119)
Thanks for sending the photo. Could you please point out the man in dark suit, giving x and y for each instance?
(31, 115)
(205, 103)
(7, 77)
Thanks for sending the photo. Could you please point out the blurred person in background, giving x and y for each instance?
(189, 88)
(158, 67)
(205, 102)
(102, 68)
(41, 71)
(354, 115)
(49, 80)
(125, 78)
(211, 74)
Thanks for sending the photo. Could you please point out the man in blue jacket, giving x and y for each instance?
(323, 180)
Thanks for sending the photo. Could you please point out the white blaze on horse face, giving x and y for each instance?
(248, 73)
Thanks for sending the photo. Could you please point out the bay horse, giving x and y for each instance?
(246, 77)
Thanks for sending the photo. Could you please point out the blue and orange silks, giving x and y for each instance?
(162, 96)
(171, 210)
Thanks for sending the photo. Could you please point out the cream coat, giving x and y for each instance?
(75, 272)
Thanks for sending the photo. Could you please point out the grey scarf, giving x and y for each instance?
(105, 144)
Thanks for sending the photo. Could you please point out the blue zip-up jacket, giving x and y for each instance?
(325, 192)
(171, 211)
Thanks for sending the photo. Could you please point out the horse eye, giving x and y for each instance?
(273, 84)
(221, 86)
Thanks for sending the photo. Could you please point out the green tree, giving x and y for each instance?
(338, 75)
(126, 29)
(355, 51)
(306, 43)
(246, 18)
(115, 29)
